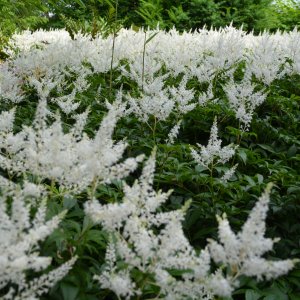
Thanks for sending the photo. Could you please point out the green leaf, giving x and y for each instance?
(250, 181)
(267, 148)
(69, 202)
(292, 151)
(260, 178)
(252, 295)
(274, 293)
(97, 237)
(151, 37)
(80, 3)
(242, 155)
(293, 190)
(69, 291)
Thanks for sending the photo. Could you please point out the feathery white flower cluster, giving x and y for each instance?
(59, 68)
(20, 236)
(156, 98)
(267, 60)
(153, 242)
(243, 100)
(142, 236)
(173, 133)
(138, 241)
(72, 159)
(242, 252)
(213, 154)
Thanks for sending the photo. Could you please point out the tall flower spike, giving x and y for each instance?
(173, 133)
(213, 153)
(242, 252)
(148, 240)
(20, 236)
(243, 99)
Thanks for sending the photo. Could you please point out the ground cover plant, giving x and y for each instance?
(150, 165)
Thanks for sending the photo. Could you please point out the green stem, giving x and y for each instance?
(154, 130)
(93, 188)
(211, 186)
(113, 51)
(143, 67)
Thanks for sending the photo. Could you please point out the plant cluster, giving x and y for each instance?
(217, 114)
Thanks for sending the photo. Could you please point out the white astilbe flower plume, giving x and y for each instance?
(72, 159)
(213, 154)
(153, 101)
(20, 236)
(182, 96)
(242, 252)
(173, 133)
(243, 100)
(260, 63)
(117, 281)
(140, 244)
(7, 119)
(207, 96)
(228, 174)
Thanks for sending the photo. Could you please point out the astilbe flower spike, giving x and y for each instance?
(242, 252)
(213, 154)
(139, 243)
(20, 235)
(243, 100)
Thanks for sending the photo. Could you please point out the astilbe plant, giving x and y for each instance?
(149, 241)
(72, 159)
(20, 235)
(242, 253)
(213, 154)
(146, 239)
(243, 100)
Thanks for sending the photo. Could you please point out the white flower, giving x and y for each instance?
(220, 286)
(243, 99)
(7, 120)
(19, 243)
(213, 153)
(242, 252)
(228, 174)
(119, 282)
(173, 133)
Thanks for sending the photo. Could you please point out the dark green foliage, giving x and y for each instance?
(283, 15)
(19, 15)
(184, 15)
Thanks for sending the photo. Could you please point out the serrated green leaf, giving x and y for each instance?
(252, 295)
(69, 291)
(69, 202)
